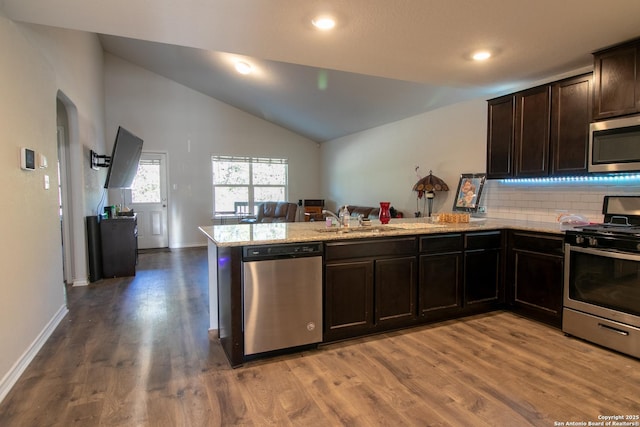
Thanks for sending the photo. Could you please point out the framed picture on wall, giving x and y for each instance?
(469, 192)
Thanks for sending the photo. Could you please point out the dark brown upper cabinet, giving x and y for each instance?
(570, 117)
(540, 131)
(616, 82)
(531, 139)
(500, 137)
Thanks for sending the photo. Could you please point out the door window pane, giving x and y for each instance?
(146, 184)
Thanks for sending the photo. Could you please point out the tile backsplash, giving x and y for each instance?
(547, 200)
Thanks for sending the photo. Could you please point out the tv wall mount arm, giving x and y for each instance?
(99, 161)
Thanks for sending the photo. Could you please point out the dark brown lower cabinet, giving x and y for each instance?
(460, 274)
(440, 278)
(370, 285)
(481, 276)
(376, 285)
(395, 286)
(536, 275)
(482, 267)
(348, 299)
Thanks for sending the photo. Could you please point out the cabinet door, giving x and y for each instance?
(348, 305)
(536, 275)
(570, 117)
(482, 275)
(500, 137)
(531, 133)
(395, 286)
(538, 285)
(440, 284)
(616, 82)
(119, 247)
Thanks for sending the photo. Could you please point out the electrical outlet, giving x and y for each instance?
(482, 209)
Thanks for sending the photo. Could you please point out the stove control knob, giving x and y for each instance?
(579, 240)
(593, 241)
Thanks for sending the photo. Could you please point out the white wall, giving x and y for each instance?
(31, 290)
(191, 127)
(378, 164)
(76, 58)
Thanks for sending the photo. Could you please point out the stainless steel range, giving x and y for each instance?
(602, 278)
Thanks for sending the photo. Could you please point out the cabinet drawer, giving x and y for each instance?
(486, 240)
(370, 248)
(441, 243)
(536, 242)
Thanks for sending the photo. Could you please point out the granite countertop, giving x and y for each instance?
(264, 234)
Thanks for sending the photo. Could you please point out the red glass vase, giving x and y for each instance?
(385, 215)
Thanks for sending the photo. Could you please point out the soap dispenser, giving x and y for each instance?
(344, 217)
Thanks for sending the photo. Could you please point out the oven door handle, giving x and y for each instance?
(612, 329)
(608, 253)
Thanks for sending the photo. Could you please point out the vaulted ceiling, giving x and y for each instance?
(384, 60)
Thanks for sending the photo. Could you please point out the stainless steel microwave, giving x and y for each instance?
(614, 145)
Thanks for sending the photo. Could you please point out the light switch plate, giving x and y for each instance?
(46, 182)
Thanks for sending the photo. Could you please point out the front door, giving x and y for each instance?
(148, 196)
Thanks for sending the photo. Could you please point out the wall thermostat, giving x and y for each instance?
(27, 159)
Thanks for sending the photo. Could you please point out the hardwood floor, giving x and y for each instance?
(136, 352)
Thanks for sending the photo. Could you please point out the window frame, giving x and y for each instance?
(252, 204)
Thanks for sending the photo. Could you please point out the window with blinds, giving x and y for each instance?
(240, 184)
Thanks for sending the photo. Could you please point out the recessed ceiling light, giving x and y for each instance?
(243, 68)
(324, 22)
(481, 55)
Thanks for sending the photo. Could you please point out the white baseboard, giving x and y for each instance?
(10, 379)
(80, 283)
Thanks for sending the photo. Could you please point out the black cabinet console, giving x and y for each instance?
(119, 237)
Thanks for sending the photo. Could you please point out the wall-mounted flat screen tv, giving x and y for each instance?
(124, 160)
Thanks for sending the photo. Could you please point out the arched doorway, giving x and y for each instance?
(70, 181)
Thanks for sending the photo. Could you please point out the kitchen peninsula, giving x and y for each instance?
(378, 277)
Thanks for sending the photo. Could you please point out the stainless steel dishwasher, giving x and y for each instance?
(282, 296)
